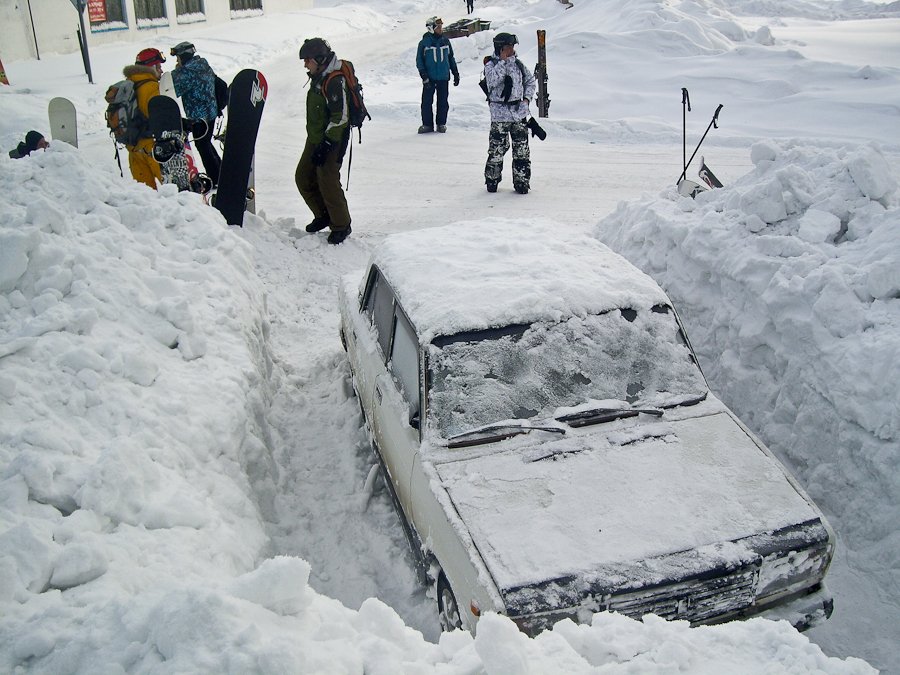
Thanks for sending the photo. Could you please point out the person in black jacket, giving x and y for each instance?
(195, 83)
(34, 140)
(435, 62)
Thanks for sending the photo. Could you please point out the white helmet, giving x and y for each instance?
(432, 22)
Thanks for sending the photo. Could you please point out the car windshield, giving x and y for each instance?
(529, 371)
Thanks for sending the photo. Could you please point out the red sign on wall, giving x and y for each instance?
(96, 11)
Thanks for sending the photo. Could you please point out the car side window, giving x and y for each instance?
(380, 308)
(404, 363)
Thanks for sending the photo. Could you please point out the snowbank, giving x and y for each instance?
(135, 469)
(789, 283)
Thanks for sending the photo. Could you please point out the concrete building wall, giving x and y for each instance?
(29, 28)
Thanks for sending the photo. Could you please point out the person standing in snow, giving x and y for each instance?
(510, 87)
(470, 6)
(145, 74)
(435, 62)
(34, 140)
(195, 83)
(318, 174)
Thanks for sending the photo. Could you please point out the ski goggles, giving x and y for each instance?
(150, 57)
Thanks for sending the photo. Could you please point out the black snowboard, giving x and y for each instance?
(168, 141)
(246, 98)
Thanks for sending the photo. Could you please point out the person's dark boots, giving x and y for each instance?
(318, 224)
(491, 187)
(522, 189)
(337, 236)
(425, 130)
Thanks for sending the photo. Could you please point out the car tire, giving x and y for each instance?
(448, 608)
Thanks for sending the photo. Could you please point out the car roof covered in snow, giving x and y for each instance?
(493, 273)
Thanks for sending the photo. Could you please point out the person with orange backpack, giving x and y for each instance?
(318, 174)
(145, 74)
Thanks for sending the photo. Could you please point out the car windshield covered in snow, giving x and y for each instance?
(524, 372)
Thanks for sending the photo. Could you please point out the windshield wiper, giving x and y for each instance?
(597, 415)
(694, 400)
(507, 430)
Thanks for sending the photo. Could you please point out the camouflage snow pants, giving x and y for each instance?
(498, 144)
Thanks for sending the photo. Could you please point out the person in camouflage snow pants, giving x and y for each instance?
(498, 145)
(510, 87)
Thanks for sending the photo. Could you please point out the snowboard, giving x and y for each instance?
(247, 96)
(168, 141)
(63, 121)
(167, 85)
(707, 175)
(199, 182)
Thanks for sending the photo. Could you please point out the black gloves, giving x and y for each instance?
(321, 152)
(536, 129)
(456, 80)
(507, 88)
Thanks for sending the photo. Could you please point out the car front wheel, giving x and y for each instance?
(448, 609)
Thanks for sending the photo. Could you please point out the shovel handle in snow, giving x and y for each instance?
(712, 123)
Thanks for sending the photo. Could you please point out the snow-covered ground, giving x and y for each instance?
(184, 481)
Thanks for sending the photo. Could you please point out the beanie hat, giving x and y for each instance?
(32, 138)
(149, 57)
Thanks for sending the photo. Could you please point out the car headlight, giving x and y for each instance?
(784, 573)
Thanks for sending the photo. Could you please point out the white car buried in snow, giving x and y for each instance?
(551, 443)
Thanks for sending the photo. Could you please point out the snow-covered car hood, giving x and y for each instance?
(603, 504)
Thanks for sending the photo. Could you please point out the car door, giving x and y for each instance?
(389, 376)
(396, 403)
(368, 347)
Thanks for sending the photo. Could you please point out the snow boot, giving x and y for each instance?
(491, 187)
(425, 130)
(442, 128)
(318, 224)
(337, 236)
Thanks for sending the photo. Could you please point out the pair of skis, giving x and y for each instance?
(236, 190)
(686, 187)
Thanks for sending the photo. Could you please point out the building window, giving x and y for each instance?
(150, 12)
(188, 7)
(105, 14)
(243, 5)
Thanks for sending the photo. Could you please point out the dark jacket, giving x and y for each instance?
(434, 58)
(327, 112)
(195, 83)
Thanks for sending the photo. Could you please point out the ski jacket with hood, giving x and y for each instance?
(521, 89)
(434, 58)
(327, 112)
(195, 83)
(146, 86)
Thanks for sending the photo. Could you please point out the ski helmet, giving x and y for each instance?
(432, 23)
(501, 40)
(183, 49)
(149, 57)
(316, 49)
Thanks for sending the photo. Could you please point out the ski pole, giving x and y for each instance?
(685, 101)
(711, 125)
